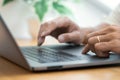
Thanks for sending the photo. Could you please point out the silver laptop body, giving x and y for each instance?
(54, 57)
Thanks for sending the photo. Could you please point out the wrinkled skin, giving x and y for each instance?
(109, 41)
(65, 31)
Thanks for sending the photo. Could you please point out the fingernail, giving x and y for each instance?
(61, 39)
(84, 52)
(85, 49)
(40, 41)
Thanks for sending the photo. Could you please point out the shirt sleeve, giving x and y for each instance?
(114, 17)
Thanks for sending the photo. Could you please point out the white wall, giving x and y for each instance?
(85, 14)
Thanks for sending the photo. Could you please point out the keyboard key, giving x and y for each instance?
(46, 55)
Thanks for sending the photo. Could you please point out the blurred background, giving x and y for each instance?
(23, 17)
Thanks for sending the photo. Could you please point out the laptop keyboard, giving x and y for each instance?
(46, 55)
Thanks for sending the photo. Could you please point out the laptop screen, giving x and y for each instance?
(8, 46)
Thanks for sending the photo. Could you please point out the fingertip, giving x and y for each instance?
(85, 49)
(61, 39)
(38, 44)
(40, 41)
(83, 52)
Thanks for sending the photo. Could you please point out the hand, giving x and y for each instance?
(109, 41)
(63, 29)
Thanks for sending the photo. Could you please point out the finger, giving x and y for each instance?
(102, 38)
(92, 48)
(86, 49)
(102, 54)
(115, 46)
(100, 32)
(98, 53)
(73, 37)
(46, 28)
(50, 26)
(41, 41)
(109, 46)
(42, 31)
(103, 46)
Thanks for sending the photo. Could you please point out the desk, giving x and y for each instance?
(10, 71)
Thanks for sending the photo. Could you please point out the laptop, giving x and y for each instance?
(52, 57)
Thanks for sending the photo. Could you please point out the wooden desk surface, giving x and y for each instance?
(10, 71)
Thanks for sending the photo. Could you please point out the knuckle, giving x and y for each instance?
(48, 24)
(44, 24)
(41, 26)
(97, 46)
(63, 21)
(77, 33)
(113, 28)
(100, 47)
(113, 35)
(114, 44)
(88, 36)
(52, 23)
(66, 19)
(67, 36)
(90, 41)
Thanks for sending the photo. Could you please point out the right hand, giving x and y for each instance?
(63, 29)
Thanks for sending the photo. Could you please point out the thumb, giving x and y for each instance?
(73, 37)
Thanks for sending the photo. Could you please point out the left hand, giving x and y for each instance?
(103, 41)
